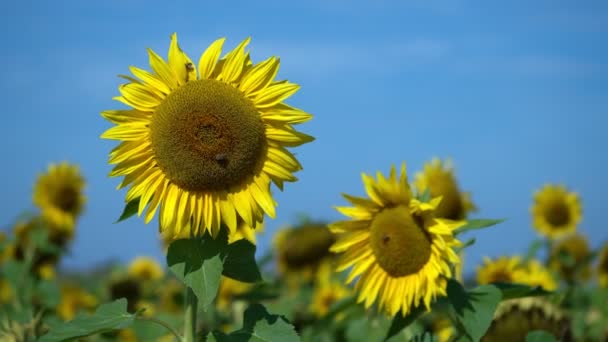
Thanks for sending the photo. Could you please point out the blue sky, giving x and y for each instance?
(514, 92)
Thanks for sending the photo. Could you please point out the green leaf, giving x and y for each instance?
(129, 210)
(473, 309)
(107, 317)
(366, 329)
(239, 262)
(475, 224)
(470, 242)
(259, 326)
(540, 336)
(512, 290)
(400, 322)
(198, 263)
(48, 293)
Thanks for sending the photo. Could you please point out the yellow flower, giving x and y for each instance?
(146, 269)
(148, 307)
(501, 270)
(399, 252)
(202, 144)
(556, 212)
(515, 318)
(533, 273)
(229, 290)
(46, 271)
(300, 250)
(244, 231)
(570, 257)
(172, 296)
(127, 335)
(440, 180)
(73, 299)
(58, 194)
(602, 267)
(443, 329)
(6, 292)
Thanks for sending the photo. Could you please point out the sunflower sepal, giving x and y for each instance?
(475, 224)
(472, 310)
(107, 317)
(259, 324)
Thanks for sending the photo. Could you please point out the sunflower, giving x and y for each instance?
(556, 212)
(400, 253)
(570, 257)
(229, 291)
(301, 250)
(145, 269)
(172, 296)
(501, 270)
(439, 179)
(73, 299)
(515, 318)
(58, 194)
(244, 231)
(602, 267)
(202, 144)
(534, 273)
(443, 329)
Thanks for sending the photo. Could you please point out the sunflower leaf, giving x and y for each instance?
(129, 210)
(259, 326)
(400, 322)
(475, 224)
(239, 262)
(473, 309)
(107, 317)
(198, 263)
(540, 336)
(512, 291)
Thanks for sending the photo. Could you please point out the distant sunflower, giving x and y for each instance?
(399, 252)
(440, 180)
(229, 291)
(58, 194)
(203, 143)
(533, 273)
(172, 296)
(602, 267)
(301, 250)
(570, 257)
(501, 270)
(74, 299)
(515, 318)
(556, 212)
(145, 269)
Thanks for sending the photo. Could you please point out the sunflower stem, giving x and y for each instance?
(190, 316)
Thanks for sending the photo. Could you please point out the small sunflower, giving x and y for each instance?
(58, 194)
(146, 269)
(301, 250)
(440, 180)
(172, 296)
(202, 144)
(74, 299)
(501, 270)
(515, 318)
(534, 273)
(570, 257)
(400, 253)
(327, 290)
(556, 212)
(602, 267)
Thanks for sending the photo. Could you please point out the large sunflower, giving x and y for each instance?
(58, 194)
(202, 144)
(400, 253)
(438, 178)
(556, 211)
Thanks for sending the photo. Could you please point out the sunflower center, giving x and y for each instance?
(501, 277)
(557, 214)
(66, 198)
(399, 242)
(207, 136)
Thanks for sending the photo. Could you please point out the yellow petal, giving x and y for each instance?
(258, 77)
(275, 93)
(235, 61)
(161, 69)
(208, 59)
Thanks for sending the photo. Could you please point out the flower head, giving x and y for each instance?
(556, 212)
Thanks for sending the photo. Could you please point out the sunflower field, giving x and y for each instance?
(202, 145)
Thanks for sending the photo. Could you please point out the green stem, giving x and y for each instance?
(190, 316)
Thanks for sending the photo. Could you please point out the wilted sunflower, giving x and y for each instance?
(203, 143)
(145, 269)
(440, 180)
(501, 270)
(74, 299)
(602, 267)
(58, 194)
(556, 212)
(570, 257)
(515, 318)
(301, 250)
(400, 253)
